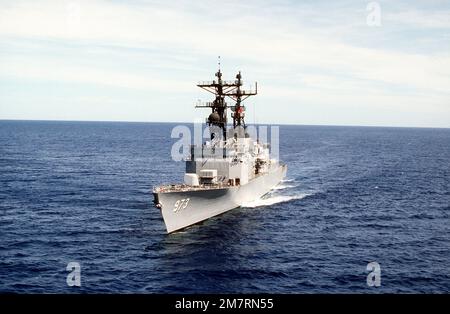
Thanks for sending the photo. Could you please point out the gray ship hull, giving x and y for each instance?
(181, 209)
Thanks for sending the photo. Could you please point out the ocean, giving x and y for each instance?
(81, 192)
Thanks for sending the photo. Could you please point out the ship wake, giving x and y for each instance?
(273, 199)
(283, 186)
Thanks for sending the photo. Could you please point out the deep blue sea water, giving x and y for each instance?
(80, 191)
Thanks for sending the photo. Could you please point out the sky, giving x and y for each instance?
(382, 63)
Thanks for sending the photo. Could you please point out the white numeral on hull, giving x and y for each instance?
(181, 204)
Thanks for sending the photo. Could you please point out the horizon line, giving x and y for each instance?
(191, 122)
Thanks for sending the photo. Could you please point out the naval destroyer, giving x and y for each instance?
(225, 172)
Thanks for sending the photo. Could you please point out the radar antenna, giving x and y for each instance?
(222, 89)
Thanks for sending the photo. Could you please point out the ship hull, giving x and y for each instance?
(181, 209)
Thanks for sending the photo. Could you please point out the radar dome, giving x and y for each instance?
(214, 118)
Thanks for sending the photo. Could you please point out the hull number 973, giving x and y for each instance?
(181, 204)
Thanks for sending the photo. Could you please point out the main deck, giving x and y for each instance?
(170, 188)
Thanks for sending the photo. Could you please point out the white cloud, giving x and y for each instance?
(420, 19)
(59, 71)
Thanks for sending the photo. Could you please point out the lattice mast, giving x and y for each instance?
(222, 89)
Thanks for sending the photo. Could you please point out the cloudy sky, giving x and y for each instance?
(316, 62)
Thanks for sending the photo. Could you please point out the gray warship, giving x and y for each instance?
(224, 173)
